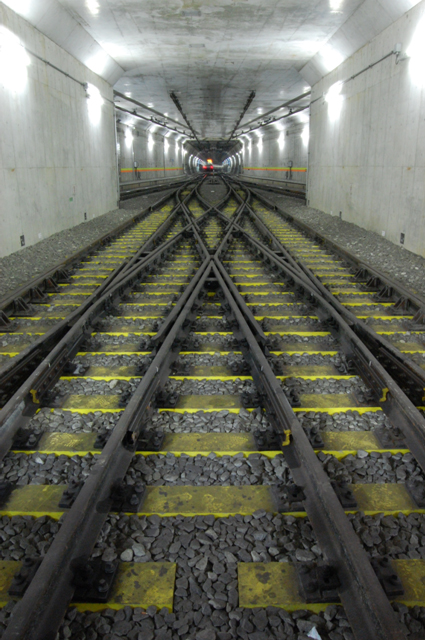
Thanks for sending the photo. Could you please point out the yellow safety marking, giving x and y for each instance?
(284, 317)
(367, 304)
(412, 576)
(88, 404)
(11, 349)
(297, 333)
(125, 333)
(216, 500)
(295, 348)
(341, 444)
(390, 498)
(384, 395)
(332, 410)
(137, 584)
(23, 333)
(274, 584)
(190, 444)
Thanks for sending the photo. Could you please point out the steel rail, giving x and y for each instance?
(40, 611)
(24, 292)
(409, 376)
(389, 396)
(34, 353)
(364, 600)
(400, 363)
(402, 292)
(38, 615)
(22, 405)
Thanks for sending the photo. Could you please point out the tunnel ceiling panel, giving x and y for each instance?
(213, 54)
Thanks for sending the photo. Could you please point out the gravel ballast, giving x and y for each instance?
(23, 265)
(375, 250)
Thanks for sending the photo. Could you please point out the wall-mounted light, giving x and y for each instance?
(166, 145)
(151, 142)
(93, 7)
(334, 100)
(415, 53)
(128, 137)
(94, 102)
(305, 136)
(14, 61)
(281, 140)
(331, 57)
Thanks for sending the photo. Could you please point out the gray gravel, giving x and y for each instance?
(347, 421)
(329, 385)
(171, 470)
(21, 266)
(210, 387)
(69, 422)
(215, 422)
(39, 468)
(375, 250)
(377, 468)
(399, 537)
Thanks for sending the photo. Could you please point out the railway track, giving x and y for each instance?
(218, 454)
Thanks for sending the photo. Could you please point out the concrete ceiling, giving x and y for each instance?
(211, 54)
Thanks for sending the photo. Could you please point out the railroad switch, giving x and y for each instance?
(318, 582)
(70, 494)
(388, 578)
(93, 579)
(288, 497)
(22, 578)
(26, 440)
(344, 494)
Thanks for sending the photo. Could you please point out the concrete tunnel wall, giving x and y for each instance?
(367, 148)
(156, 156)
(278, 154)
(57, 147)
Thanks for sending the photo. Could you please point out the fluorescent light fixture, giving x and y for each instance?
(151, 142)
(14, 61)
(305, 136)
